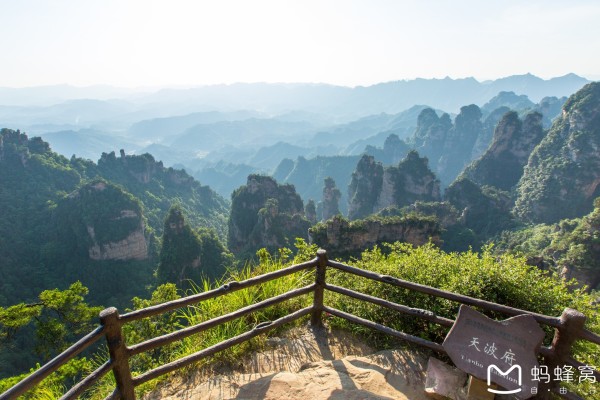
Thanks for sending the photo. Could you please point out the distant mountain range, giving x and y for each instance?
(343, 102)
(233, 130)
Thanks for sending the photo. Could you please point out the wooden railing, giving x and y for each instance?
(569, 328)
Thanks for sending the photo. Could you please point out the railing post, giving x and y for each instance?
(571, 325)
(316, 319)
(118, 353)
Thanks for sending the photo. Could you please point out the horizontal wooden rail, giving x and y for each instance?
(227, 288)
(54, 364)
(568, 327)
(423, 314)
(487, 305)
(415, 312)
(183, 333)
(590, 336)
(87, 382)
(192, 358)
(401, 335)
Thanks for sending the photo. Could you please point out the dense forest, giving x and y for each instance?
(511, 180)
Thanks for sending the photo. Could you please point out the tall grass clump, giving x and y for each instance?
(504, 279)
(212, 308)
(54, 385)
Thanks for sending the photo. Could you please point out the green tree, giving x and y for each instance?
(187, 255)
(57, 319)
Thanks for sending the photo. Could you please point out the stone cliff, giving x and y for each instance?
(514, 140)
(459, 143)
(393, 151)
(550, 108)
(562, 176)
(365, 187)
(489, 127)
(265, 214)
(111, 219)
(449, 146)
(307, 175)
(133, 247)
(485, 210)
(159, 187)
(430, 135)
(374, 188)
(275, 229)
(330, 204)
(349, 238)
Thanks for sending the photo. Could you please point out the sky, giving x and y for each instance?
(147, 43)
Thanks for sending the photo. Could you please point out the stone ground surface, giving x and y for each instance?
(310, 365)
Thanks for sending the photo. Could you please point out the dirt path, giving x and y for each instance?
(310, 365)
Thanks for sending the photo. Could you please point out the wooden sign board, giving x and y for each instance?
(500, 352)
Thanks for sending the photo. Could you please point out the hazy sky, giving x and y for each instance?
(156, 43)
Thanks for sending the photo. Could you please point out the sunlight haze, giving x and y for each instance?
(160, 43)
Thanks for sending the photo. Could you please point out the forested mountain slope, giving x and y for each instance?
(65, 220)
(562, 176)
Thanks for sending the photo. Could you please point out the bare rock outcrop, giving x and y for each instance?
(107, 221)
(316, 365)
(584, 277)
(330, 205)
(133, 247)
(265, 214)
(502, 164)
(374, 188)
(342, 237)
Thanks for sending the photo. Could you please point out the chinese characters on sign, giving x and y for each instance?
(504, 353)
(490, 350)
(500, 352)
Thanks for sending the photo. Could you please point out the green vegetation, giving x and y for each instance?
(413, 181)
(502, 164)
(188, 257)
(484, 210)
(455, 235)
(265, 214)
(365, 187)
(108, 210)
(72, 220)
(504, 279)
(158, 188)
(50, 325)
(344, 238)
(570, 247)
(144, 329)
(33, 179)
(124, 226)
(561, 178)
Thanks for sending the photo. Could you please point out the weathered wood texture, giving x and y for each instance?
(569, 327)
